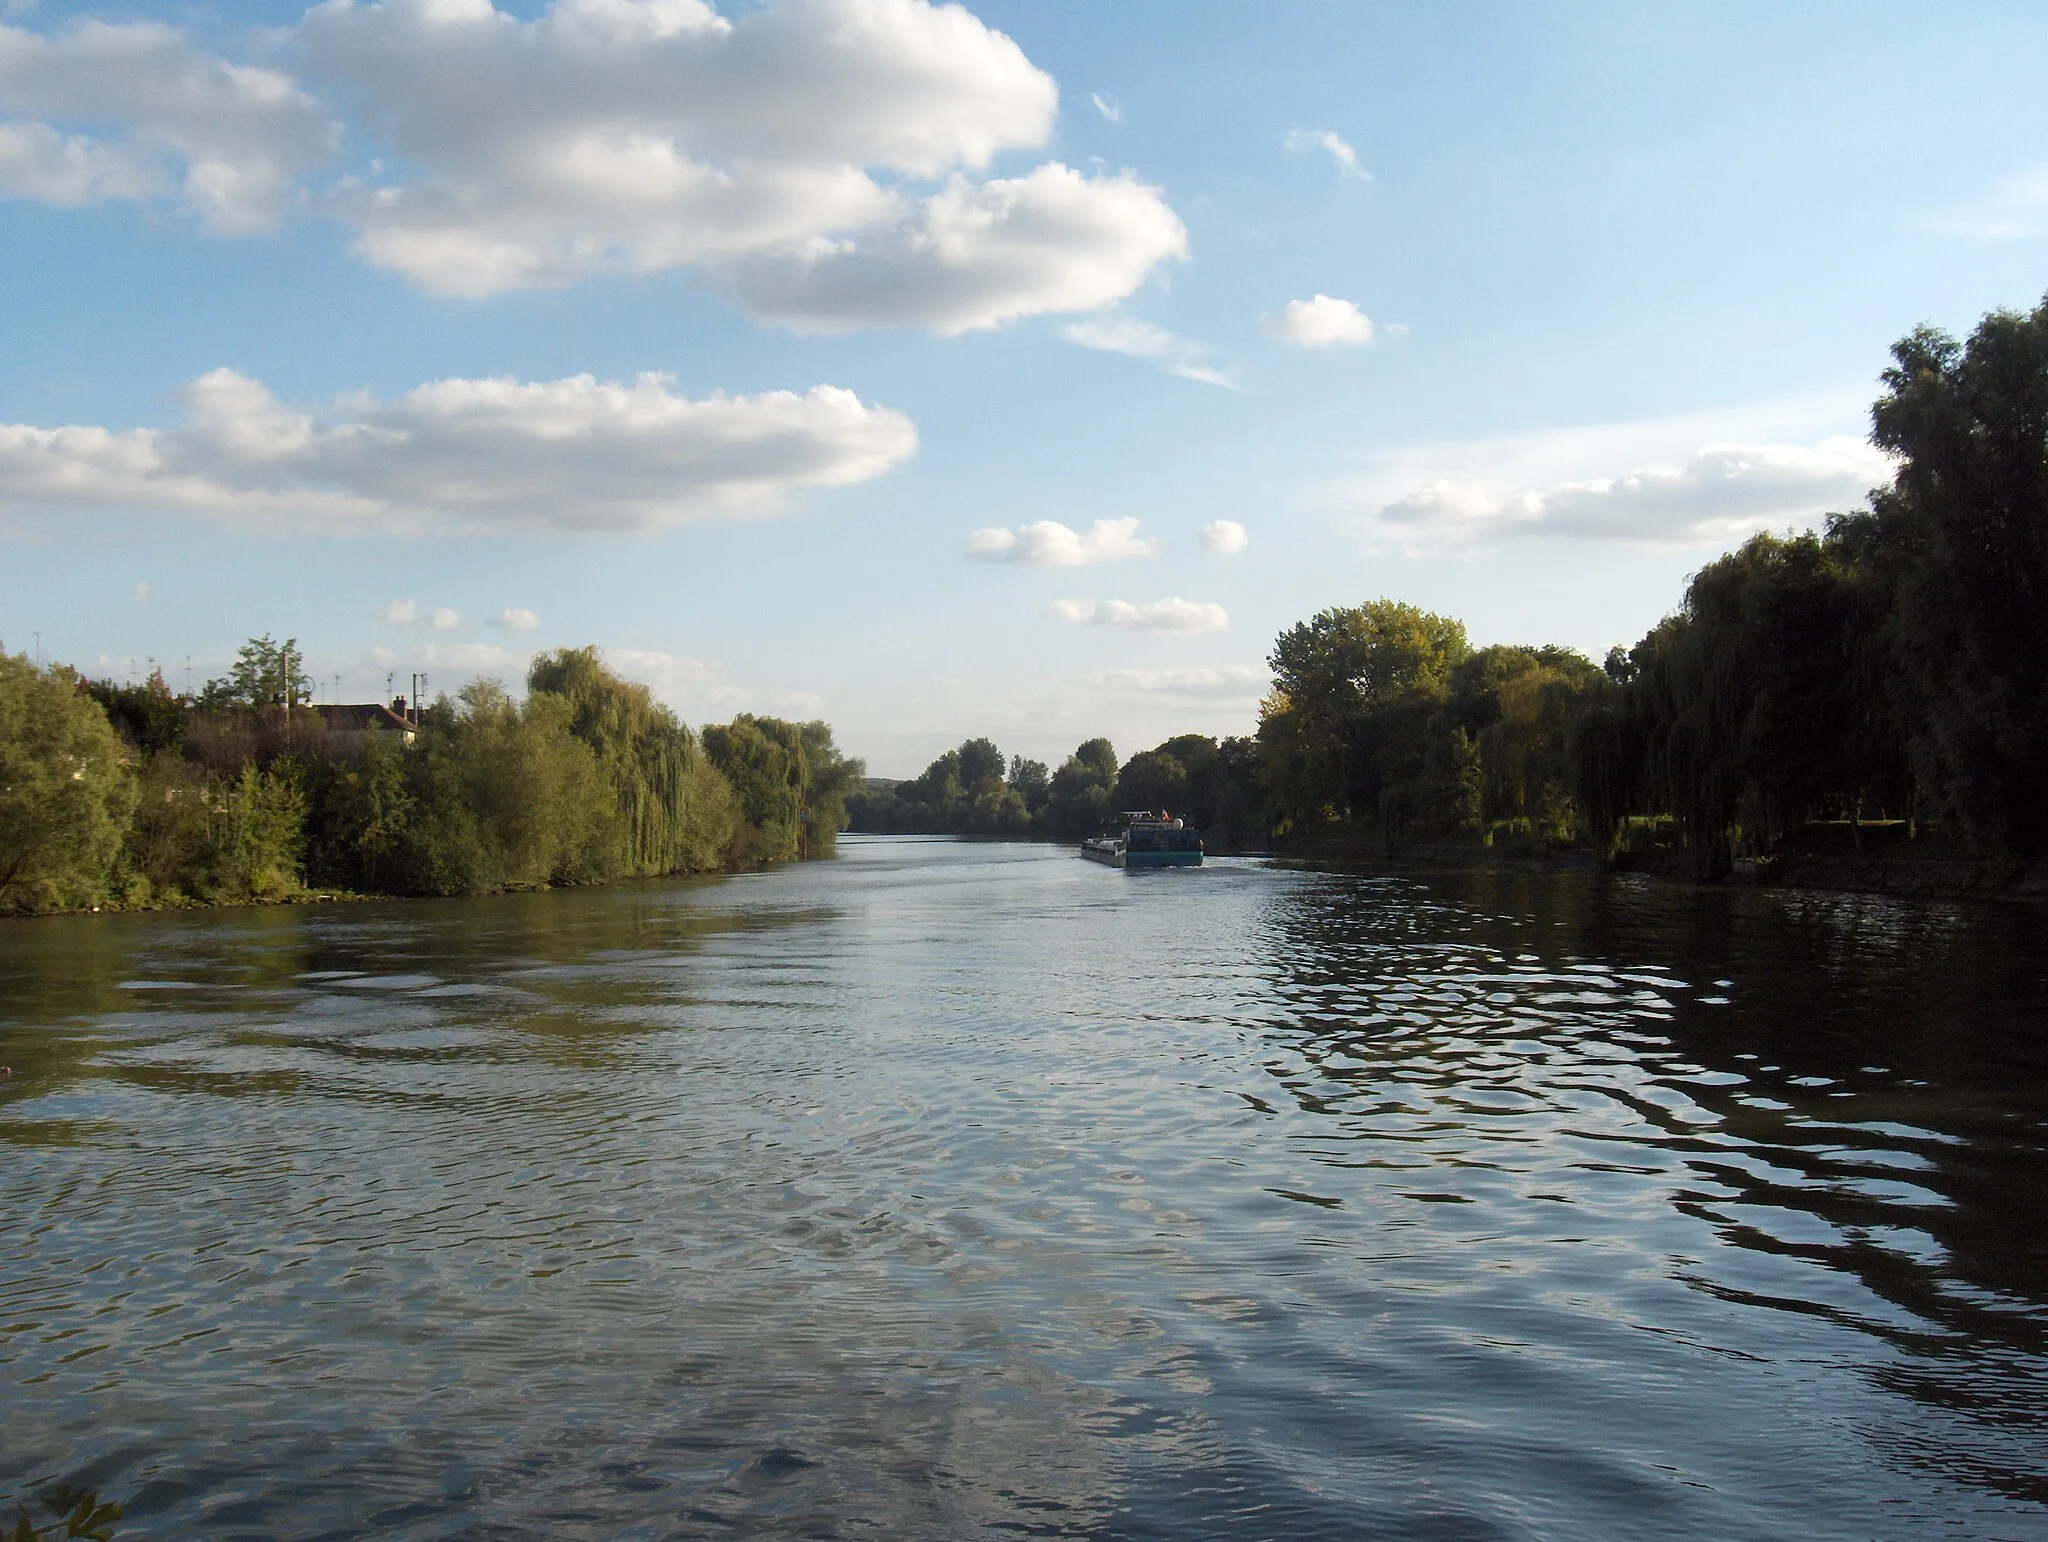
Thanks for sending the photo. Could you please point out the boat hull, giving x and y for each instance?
(1145, 859)
(1108, 856)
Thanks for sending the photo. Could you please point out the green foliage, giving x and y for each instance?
(78, 1510)
(167, 841)
(778, 771)
(963, 792)
(1345, 732)
(252, 838)
(1518, 704)
(266, 674)
(1081, 798)
(66, 791)
(1032, 782)
(673, 812)
(237, 797)
(503, 796)
(148, 716)
(1963, 535)
(1761, 704)
(359, 812)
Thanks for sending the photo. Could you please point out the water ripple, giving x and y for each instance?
(952, 1189)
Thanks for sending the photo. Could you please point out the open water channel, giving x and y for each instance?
(951, 1190)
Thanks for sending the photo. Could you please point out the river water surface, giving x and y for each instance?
(950, 1190)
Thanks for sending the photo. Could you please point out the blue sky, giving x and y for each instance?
(1017, 370)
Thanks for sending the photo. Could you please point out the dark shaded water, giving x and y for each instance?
(954, 1190)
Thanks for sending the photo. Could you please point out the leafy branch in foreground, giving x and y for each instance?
(78, 1510)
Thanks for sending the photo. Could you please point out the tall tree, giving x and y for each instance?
(66, 792)
(1344, 729)
(266, 673)
(1966, 519)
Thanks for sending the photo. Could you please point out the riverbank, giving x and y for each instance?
(1877, 859)
(300, 897)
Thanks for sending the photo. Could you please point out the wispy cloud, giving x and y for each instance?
(1695, 480)
(1173, 353)
(514, 621)
(1172, 614)
(1230, 682)
(1108, 106)
(456, 664)
(1309, 141)
(2014, 208)
(1050, 544)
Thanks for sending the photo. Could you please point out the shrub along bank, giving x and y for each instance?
(129, 796)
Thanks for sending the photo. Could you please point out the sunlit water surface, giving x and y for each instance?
(955, 1190)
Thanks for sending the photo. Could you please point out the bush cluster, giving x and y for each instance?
(129, 796)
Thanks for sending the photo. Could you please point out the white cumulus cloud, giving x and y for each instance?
(1308, 141)
(971, 256)
(1051, 544)
(1224, 535)
(1720, 492)
(411, 613)
(1168, 615)
(128, 111)
(820, 162)
(1323, 322)
(575, 454)
(1173, 353)
(514, 621)
(777, 151)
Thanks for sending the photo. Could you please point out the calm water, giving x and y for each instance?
(960, 1190)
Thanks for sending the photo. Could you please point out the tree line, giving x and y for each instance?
(128, 795)
(1887, 672)
(971, 791)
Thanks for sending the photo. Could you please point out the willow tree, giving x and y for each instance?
(789, 780)
(673, 811)
(1753, 708)
(1966, 525)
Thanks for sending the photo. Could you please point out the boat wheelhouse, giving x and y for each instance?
(1143, 839)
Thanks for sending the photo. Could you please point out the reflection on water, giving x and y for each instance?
(947, 1190)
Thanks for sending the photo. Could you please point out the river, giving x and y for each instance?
(956, 1190)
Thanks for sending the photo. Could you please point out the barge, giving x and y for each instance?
(1144, 839)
